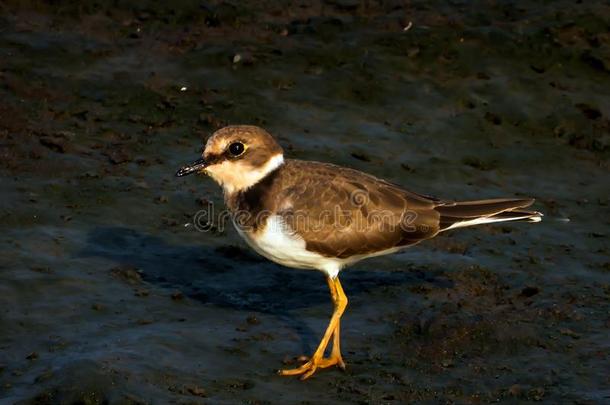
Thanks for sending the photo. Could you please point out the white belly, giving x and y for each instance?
(277, 243)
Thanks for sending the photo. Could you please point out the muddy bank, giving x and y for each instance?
(107, 297)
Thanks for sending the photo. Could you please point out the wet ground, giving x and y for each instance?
(107, 297)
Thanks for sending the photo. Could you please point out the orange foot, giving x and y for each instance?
(310, 367)
(333, 330)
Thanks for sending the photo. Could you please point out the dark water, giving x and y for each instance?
(108, 295)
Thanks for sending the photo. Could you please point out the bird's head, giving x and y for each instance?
(237, 157)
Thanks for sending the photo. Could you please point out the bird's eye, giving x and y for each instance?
(236, 148)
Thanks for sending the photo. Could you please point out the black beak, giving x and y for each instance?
(196, 166)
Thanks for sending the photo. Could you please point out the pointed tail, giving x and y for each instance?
(469, 213)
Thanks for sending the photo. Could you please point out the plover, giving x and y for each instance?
(312, 215)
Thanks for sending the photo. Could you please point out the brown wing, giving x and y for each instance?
(342, 212)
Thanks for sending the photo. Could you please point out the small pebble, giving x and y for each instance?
(515, 390)
(32, 356)
(144, 321)
(140, 292)
(253, 320)
(570, 333)
(127, 273)
(195, 390)
(529, 291)
(536, 394)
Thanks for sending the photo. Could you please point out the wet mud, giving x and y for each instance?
(108, 293)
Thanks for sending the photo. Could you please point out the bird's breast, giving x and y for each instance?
(276, 241)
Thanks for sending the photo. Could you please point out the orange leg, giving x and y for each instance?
(318, 360)
(335, 354)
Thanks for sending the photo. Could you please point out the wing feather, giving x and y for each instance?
(342, 212)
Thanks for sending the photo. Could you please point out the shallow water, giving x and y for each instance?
(107, 296)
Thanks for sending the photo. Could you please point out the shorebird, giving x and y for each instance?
(312, 215)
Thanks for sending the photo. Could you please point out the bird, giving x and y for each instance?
(320, 216)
